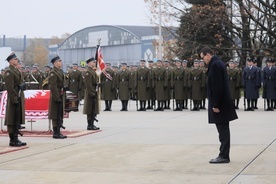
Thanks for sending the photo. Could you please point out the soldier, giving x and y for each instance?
(168, 89)
(196, 84)
(91, 98)
(160, 83)
(133, 92)
(233, 80)
(259, 71)
(15, 109)
(185, 90)
(57, 97)
(269, 84)
(2, 83)
(74, 80)
(204, 80)
(108, 87)
(35, 78)
(82, 70)
(124, 86)
(45, 77)
(250, 81)
(115, 80)
(239, 85)
(142, 85)
(151, 101)
(178, 85)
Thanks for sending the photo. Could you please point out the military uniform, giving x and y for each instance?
(124, 87)
(178, 84)
(74, 82)
(142, 84)
(35, 79)
(91, 98)
(196, 84)
(151, 101)
(2, 82)
(15, 109)
(108, 88)
(169, 87)
(233, 80)
(251, 82)
(186, 89)
(160, 83)
(57, 99)
(269, 85)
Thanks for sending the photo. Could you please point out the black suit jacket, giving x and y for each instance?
(218, 93)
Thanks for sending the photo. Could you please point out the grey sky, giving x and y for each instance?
(47, 18)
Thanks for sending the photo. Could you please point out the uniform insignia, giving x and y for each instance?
(7, 73)
(52, 74)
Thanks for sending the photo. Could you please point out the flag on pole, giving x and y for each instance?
(100, 62)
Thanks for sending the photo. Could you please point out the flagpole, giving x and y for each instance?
(160, 33)
(99, 75)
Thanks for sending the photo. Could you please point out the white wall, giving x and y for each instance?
(4, 53)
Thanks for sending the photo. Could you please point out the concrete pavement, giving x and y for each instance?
(147, 148)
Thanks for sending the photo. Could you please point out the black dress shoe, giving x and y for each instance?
(219, 160)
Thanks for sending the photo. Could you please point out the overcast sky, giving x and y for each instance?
(47, 18)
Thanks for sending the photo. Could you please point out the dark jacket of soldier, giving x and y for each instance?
(251, 82)
(196, 83)
(124, 87)
(160, 82)
(218, 93)
(269, 83)
(74, 81)
(13, 79)
(142, 83)
(56, 83)
(179, 83)
(91, 80)
(233, 79)
(108, 87)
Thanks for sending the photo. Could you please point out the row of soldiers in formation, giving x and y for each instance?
(156, 84)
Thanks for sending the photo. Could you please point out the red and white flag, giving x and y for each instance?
(100, 62)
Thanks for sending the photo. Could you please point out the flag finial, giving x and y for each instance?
(99, 41)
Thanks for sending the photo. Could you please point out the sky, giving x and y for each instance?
(47, 18)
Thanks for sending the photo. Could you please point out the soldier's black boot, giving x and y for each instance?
(185, 106)
(106, 105)
(144, 105)
(141, 106)
(237, 103)
(109, 104)
(255, 102)
(89, 125)
(57, 134)
(93, 126)
(15, 142)
(123, 105)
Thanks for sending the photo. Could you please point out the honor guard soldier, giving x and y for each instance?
(108, 87)
(2, 83)
(269, 84)
(160, 83)
(15, 109)
(168, 89)
(259, 71)
(204, 95)
(91, 98)
(151, 101)
(178, 85)
(196, 84)
(133, 92)
(35, 78)
(74, 80)
(142, 85)
(57, 97)
(239, 84)
(124, 86)
(186, 89)
(251, 82)
(115, 79)
(45, 77)
(233, 80)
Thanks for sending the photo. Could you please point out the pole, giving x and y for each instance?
(160, 34)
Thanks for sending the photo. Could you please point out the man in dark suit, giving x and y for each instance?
(221, 109)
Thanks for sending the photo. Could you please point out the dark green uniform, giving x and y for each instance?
(142, 84)
(2, 82)
(15, 109)
(108, 88)
(57, 101)
(124, 87)
(179, 83)
(91, 98)
(74, 82)
(196, 84)
(233, 80)
(160, 83)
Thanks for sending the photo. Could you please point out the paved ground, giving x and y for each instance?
(147, 148)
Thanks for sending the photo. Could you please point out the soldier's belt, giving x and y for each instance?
(270, 78)
(195, 78)
(123, 80)
(142, 78)
(250, 77)
(232, 78)
(73, 80)
(159, 78)
(178, 78)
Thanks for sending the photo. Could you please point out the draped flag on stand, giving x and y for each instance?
(100, 62)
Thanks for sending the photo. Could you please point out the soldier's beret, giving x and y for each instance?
(74, 64)
(90, 59)
(57, 58)
(249, 59)
(142, 60)
(11, 56)
(150, 61)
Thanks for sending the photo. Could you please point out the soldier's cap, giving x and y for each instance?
(74, 64)
(184, 61)
(47, 66)
(2, 70)
(150, 61)
(56, 58)
(196, 61)
(231, 61)
(107, 64)
(90, 60)
(23, 68)
(142, 60)
(201, 61)
(178, 61)
(255, 60)
(158, 60)
(166, 61)
(11, 56)
(35, 66)
(249, 59)
(114, 66)
(270, 60)
(124, 64)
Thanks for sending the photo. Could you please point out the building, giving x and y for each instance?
(119, 44)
